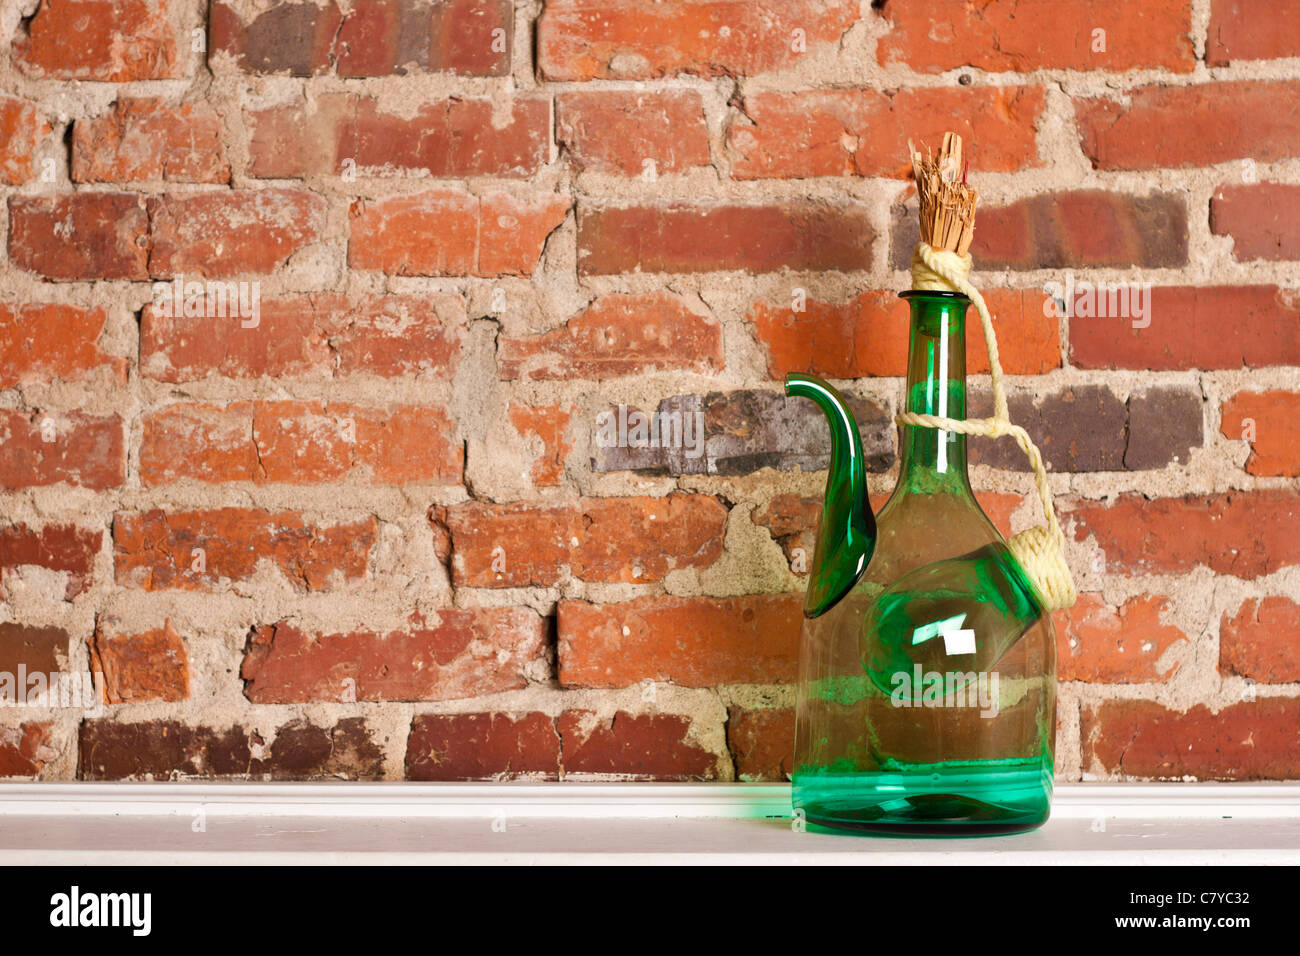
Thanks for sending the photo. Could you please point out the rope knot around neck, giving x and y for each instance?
(1041, 549)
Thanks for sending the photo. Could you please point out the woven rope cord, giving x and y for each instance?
(1040, 550)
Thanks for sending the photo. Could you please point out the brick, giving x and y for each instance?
(732, 433)
(1259, 641)
(294, 38)
(46, 342)
(25, 749)
(1180, 126)
(1087, 428)
(322, 336)
(144, 139)
(448, 232)
(1259, 740)
(1078, 229)
(633, 133)
(1103, 644)
(38, 449)
(169, 749)
(113, 41)
(492, 746)
(868, 335)
(300, 443)
(453, 138)
(1245, 534)
(22, 132)
(598, 540)
(1214, 327)
(454, 653)
(691, 642)
(619, 334)
(373, 38)
(717, 238)
(793, 520)
(547, 431)
(36, 650)
(761, 743)
(155, 549)
(82, 236)
(243, 232)
(866, 132)
(631, 40)
(1250, 30)
(1260, 220)
(1164, 425)
(644, 747)
(62, 548)
(1038, 35)
(1270, 421)
(140, 666)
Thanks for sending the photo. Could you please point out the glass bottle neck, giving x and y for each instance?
(933, 459)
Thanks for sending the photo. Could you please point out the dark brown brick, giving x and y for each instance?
(745, 431)
(163, 749)
(37, 649)
(1088, 228)
(762, 743)
(1164, 425)
(492, 746)
(1077, 429)
(648, 746)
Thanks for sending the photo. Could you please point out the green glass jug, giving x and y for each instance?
(927, 663)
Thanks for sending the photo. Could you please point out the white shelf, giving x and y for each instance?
(243, 823)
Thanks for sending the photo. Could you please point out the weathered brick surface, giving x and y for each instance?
(600, 540)
(302, 443)
(37, 649)
(865, 132)
(453, 653)
(105, 40)
(135, 667)
(1258, 641)
(1260, 220)
(693, 238)
(630, 40)
(1244, 534)
(1038, 34)
(47, 448)
(616, 335)
(46, 342)
(1254, 740)
(1270, 423)
(312, 336)
(208, 550)
(345, 134)
(65, 549)
(482, 747)
(695, 642)
(426, 357)
(147, 139)
(373, 38)
(25, 748)
(169, 749)
(1099, 643)
(868, 335)
(633, 133)
(22, 132)
(452, 233)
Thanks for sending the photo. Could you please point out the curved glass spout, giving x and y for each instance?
(847, 536)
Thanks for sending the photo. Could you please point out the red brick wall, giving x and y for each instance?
(375, 533)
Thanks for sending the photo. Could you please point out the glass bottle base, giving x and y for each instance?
(949, 799)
